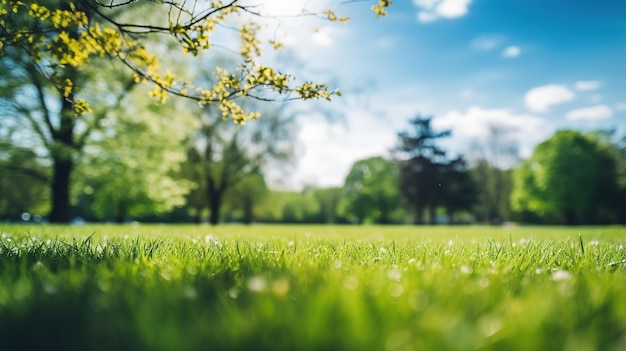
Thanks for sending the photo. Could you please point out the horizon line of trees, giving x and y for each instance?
(571, 178)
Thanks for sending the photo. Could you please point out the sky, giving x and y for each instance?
(531, 67)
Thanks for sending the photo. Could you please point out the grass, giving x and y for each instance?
(312, 288)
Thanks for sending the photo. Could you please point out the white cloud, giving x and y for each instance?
(620, 106)
(540, 99)
(431, 10)
(330, 149)
(585, 85)
(511, 51)
(453, 8)
(474, 124)
(590, 113)
(426, 17)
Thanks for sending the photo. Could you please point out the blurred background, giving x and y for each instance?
(452, 111)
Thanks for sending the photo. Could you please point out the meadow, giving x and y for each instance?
(158, 287)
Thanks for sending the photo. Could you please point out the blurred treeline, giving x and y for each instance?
(148, 170)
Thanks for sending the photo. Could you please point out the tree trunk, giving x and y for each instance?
(63, 164)
(62, 170)
(248, 213)
(570, 217)
(121, 213)
(384, 217)
(215, 201)
(419, 215)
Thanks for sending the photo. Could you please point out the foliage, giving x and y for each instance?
(58, 34)
(133, 170)
(428, 179)
(569, 175)
(300, 207)
(492, 159)
(312, 288)
(52, 51)
(328, 200)
(222, 154)
(247, 197)
(23, 183)
(494, 187)
(459, 191)
(370, 191)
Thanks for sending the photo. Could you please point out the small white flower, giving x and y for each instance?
(257, 284)
(394, 273)
(561, 275)
(466, 269)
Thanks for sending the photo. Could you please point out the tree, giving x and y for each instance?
(41, 87)
(47, 120)
(459, 191)
(300, 207)
(619, 150)
(370, 191)
(569, 175)
(132, 170)
(223, 154)
(421, 167)
(247, 196)
(428, 178)
(492, 160)
(328, 200)
(46, 46)
(23, 181)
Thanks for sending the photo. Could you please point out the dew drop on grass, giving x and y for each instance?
(280, 287)
(395, 290)
(190, 292)
(466, 269)
(233, 293)
(489, 326)
(38, 266)
(394, 273)
(192, 270)
(49, 287)
(166, 275)
(350, 282)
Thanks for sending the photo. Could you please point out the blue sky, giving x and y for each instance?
(529, 66)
